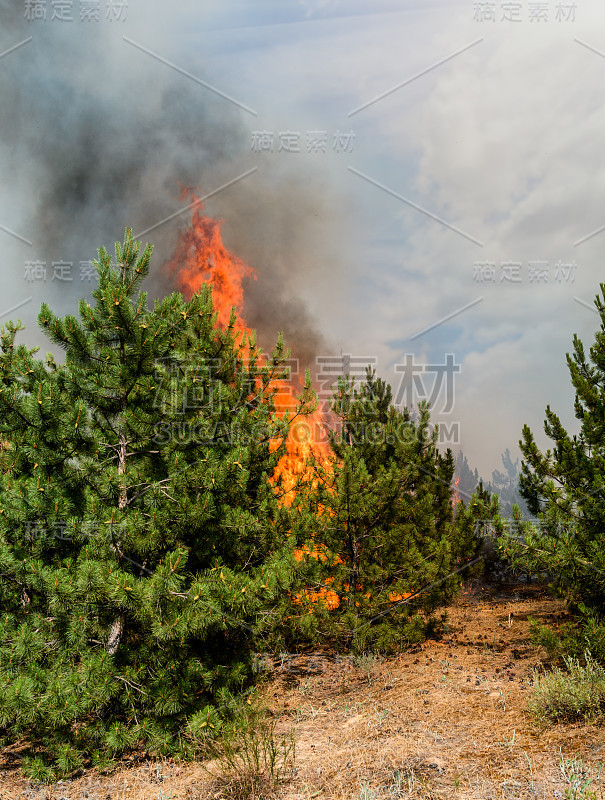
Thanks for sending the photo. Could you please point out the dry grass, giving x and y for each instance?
(446, 720)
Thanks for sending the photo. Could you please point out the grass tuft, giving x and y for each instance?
(249, 761)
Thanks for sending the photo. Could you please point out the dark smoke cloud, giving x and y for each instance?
(292, 240)
(95, 136)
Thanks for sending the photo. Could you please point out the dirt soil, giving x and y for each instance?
(447, 719)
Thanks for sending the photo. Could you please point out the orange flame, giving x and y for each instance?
(201, 257)
(456, 497)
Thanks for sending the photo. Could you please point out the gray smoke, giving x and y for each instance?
(95, 136)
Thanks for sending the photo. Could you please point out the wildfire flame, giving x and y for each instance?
(201, 257)
(456, 497)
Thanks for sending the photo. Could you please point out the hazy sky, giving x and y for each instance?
(419, 184)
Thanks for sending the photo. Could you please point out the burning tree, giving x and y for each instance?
(140, 534)
(383, 524)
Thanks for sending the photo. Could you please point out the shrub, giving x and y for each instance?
(574, 694)
(572, 638)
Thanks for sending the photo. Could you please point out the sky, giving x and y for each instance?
(418, 185)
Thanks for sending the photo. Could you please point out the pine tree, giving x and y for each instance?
(564, 487)
(142, 542)
(506, 485)
(383, 525)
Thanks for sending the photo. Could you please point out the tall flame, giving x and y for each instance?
(201, 257)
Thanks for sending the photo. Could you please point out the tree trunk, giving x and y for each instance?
(117, 626)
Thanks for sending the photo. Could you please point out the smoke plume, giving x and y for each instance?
(95, 136)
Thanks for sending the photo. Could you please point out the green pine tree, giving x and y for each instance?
(564, 487)
(383, 525)
(142, 543)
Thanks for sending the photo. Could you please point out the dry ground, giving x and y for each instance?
(444, 720)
